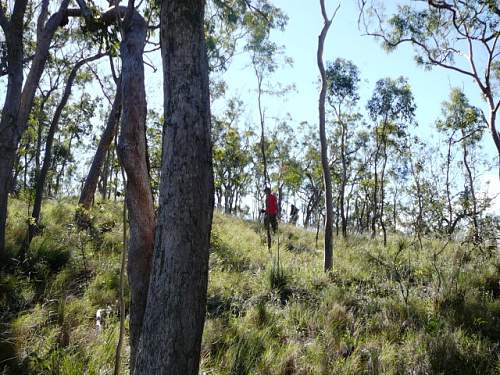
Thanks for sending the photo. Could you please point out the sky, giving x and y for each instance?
(430, 88)
(345, 40)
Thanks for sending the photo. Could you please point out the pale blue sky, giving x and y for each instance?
(344, 40)
(430, 88)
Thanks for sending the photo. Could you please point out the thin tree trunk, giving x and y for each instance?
(328, 257)
(267, 180)
(89, 188)
(132, 153)
(472, 190)
(175, 314)
(47, 160)
(448, 186)
(103, 187)
(382, 192)
(343, 182)
(375, 190)
(60, 174)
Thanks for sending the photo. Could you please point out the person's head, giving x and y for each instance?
(267, 190)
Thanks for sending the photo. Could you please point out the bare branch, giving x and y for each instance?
(113, 70)
(257, 10)
(469, 134)
(44, 13)
(86, 13)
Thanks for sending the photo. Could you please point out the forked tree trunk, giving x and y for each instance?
(19, 99)
(175, 313)
(133, 157)
(95, 170)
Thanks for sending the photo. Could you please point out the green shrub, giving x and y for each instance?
(45, 250)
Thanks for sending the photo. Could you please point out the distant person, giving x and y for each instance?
(294, 214)
(271, 210)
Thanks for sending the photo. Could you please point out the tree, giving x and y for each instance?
(231, 158)
(443, 31)
(47, 160)
(467, 122)
(90, 185)
(175, 313)
(19, 97)
(343, 79)
(328, 262)
(391, 107)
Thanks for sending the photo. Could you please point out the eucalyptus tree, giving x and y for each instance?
(231, 153)
(264, 55)
(464, 124)
(101, 156)
(175, 313)
(391, 108)
(444, 32)
(286, 172)
(342, 95)
(21, 92)
(328, 249)
(311, 189)
(47, 160)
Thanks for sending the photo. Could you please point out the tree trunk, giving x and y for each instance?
(328, 260)
(103, 180)
(375, 190)
(8, 135)
(18, 104)
(60, 174)
(133, 157)
(343, 183)
(448, 185)
(175, 313)
(470, 179)
(382, 192)
(89, 188)
(492, 123)
(267, 180)
(47, 160)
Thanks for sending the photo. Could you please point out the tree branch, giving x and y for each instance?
(44, 13)
(4, 22)
(85, 11)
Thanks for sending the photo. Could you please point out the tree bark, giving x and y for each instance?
(175, 312)
(328, 257)
(133, 157)
(90, 185)
(343, 182)
(382, 190)
(8, 136)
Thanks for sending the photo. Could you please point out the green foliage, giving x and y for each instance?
(266, 319)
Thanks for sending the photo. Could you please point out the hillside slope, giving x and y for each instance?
(400, 309)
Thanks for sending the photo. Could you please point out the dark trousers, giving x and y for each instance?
(271, 220)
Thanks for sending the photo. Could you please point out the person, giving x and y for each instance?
(271, 210)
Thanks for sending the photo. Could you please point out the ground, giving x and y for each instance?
(404, 308)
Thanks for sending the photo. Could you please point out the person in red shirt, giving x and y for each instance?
(271, 211)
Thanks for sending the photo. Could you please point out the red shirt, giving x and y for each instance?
(271, 204)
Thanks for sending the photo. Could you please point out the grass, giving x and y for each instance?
(381, 310)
